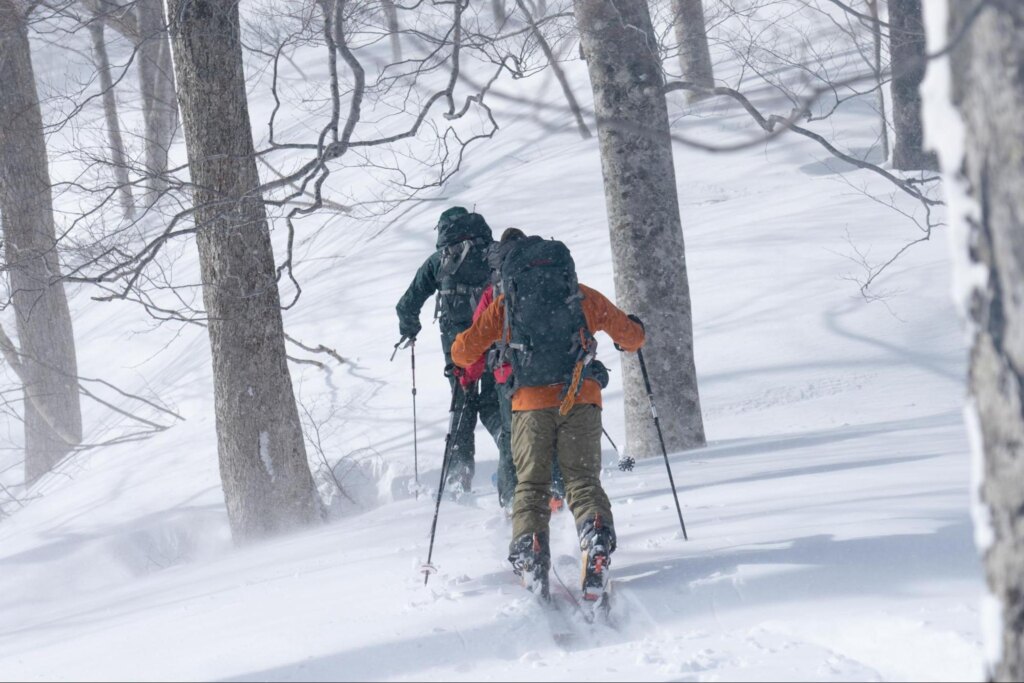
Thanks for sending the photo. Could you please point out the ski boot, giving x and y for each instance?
(506, 498)
(460, 482)
(531, 560)
(597, 541)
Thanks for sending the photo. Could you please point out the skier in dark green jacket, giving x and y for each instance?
(457, 273)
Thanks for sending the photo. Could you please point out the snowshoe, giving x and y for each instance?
(597, 541)
(531, 560)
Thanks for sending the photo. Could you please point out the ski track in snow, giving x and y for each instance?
(830, 536)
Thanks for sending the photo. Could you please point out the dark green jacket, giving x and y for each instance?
(423, 286)
(458, 294)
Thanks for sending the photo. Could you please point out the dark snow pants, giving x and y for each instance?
(482, 404)
(536, 434)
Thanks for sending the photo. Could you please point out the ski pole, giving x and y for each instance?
(661, 438)
(415, 428)
(453, 427)
(626, 462)
(608, 436)
(415, 424)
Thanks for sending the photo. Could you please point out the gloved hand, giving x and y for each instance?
(474, 372)
(409, 328)
(639, 322)
(465, 380)
(626, 463)
(453, 370)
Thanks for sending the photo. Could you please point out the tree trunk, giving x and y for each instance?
(694, 54)
(267, 483)
(907, 48)
(394, 30)
(118, 160)
(498, 10)
(989, 93)
(48, 367)
(876, 66)
(159, 99)
(643, 218)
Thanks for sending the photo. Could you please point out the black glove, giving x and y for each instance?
(626, 463)
(639, 322)
(409, 328)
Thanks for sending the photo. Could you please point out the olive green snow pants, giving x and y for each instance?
(506, 465)
(536, 434)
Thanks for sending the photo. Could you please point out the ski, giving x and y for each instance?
(590, 611)
(559, 622)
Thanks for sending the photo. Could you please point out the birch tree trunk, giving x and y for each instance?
(643, 218)
(267, 483)
(989, 92)
(159, 99)
(694, 54)
(907, 51)
(47, 364)
(118, 159)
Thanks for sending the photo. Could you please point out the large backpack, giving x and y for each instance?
(464, 273)
(548, 339)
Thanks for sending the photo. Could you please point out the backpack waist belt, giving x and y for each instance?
(473, 293)
(464, 290)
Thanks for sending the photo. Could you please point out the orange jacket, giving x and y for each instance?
(602, 316)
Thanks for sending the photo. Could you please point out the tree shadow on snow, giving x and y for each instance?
(804, 569)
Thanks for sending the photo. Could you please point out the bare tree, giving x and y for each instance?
(142, 22)
(394, 28)
(159, 100)
(694, 54)
(643, 217)
(267, 482)
(563, 81)
(118, 158)
(907, 48)
(498, 10)
(878, 67)
(46, 362)
(989, 93)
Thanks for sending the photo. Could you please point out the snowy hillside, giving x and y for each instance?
(830, 532)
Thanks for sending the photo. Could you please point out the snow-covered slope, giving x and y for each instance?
(829, 527)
